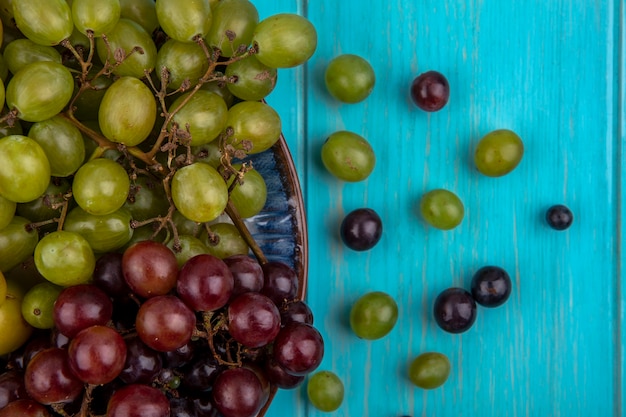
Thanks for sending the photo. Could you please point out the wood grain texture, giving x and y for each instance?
(552, 71)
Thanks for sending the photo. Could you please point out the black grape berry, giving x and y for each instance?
(491, 286)
(361, 229)
(559, 217)
(430, 91)
(455, 310)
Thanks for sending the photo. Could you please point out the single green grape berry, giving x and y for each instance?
(65, 258)
(373, 315)
(429, 370)
(348, 156)
(325, 391)
(38, 305)
(349, 78)
(498, 153)
(442, 209)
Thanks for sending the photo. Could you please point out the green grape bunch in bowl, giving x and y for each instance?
(150, 247)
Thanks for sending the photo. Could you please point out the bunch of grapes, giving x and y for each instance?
(133, 285)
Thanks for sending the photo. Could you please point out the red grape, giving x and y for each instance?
(247, 273)
(150, 268)
(11, 387)
(280, 282)
(24, 408)
(298, 348)
(238, 392)
(49, 378)
(205, 283)
(165, 323)
(142, 363)
(296, 311)
(253, 319)
(80, 306)
(137, 400)
(97, 355)
(430, 91)
(279, 377)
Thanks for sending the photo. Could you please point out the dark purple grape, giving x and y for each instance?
(11, 387)
(559, 217)
(253, 319)
(137, 400)
(280, 282)
(81, 306)
(247, 273)
(298, 348)
(279, 377)
(491, 286)
(201, 373)
(108, 275)
(49, 378)
(430, 91)
(455, 310)
(182, 356)
(205, 283)
(237, 392)
(361, 229)
(297, 311)
(182, 407)
(142, 363)
(203, 406)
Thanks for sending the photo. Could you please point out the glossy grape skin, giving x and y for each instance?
(30, 16)
(199, 192)
(138, 400)
(200, 375)
(38, 305)
(361, 229)
(13, 327)
(237, 392)
(559, 217)
(205, 112)
(125, 36)
(224, 240)
(253, 319)
(247, 273)
(104, 233)
(127, 112)
(7, 211)
(298, 348)
(49, 379)
(40, 90)
(142, 12)
(349, 78)
(108, 275)
(196, 15)
(325, 391)
(11, 387)
(150, 268)
(256, 122)
(237, 16)
(455, 310)
(17, 243)
(284, 40)
(101, 186)
(97, 355)
(142, 364)
(25, 173)
(491, 286)
(164, 323)
(248, 197)
(96, 16)
(186, 247)
(65, 258)
(296, 311)
(429, 370)
(62, 143)
(280, 282)
(348, 156)
(430, 91)
(442, 209)
(252, 79)
(373, 315)
(21, 52)
(183, 61)
(498, 153)
(280, 377)
(81, 306)
(24, 408)
(205, 283)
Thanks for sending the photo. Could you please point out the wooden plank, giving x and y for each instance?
(548, 70)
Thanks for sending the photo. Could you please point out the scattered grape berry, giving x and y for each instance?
(559, 217)
(455, 310)
(361, 229)
(491, 286)
(430, 91)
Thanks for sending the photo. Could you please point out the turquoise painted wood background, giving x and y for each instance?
(553, 71)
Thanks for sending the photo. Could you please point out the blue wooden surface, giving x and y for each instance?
(553, 71)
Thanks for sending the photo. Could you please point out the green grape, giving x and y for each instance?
(21, 52)
(199, 192)
(184, 20)
(205, 113)
(348, 156)
(101, 186)
(46, 22)
(429, 370)
(17, 243)
(373, 315)
(25, 172)
(65, 258)
(88, 102)
(225, 240)
(349, 78)
(14, 329)
(41, 208)
(256, 123)
(442, 209)
(188, 247)
(62, 143)
(147, 199)
(126, 36)
(146, 232)
(253, 80)
(238, 18)
(127, 112)
(7, 211)
(104, 233)
(183, 60)
(184, 226)
(142, 12)
(38, 305)
(284, 40)
(3, 288)
(209, 153)
(40, 90)
(498, 153)
(249, 196)
(325, 391)
(96, 16)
